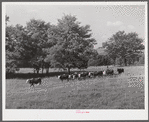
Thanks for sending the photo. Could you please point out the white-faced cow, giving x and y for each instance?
(91, 74)
(104, 72)
(75, 75)
(82, 75)
(33, 81)
(64, 77)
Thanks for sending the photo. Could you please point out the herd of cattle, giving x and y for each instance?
(78, 76)
(88, 74)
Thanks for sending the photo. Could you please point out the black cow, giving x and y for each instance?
(120, 70)
(63, 77)
(34, 81)
(82, 75)
(109, 71)
(96, 73)
(100, 73)
(85, 74)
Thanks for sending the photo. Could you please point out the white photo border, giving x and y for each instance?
(63, 114)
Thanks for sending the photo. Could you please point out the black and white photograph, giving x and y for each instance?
(75, 60)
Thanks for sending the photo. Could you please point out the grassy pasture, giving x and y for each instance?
(125, 91)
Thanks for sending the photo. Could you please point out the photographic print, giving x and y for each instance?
(75, 60)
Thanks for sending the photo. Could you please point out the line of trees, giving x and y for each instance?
(67, 45)
(42, 45)
(121, 49)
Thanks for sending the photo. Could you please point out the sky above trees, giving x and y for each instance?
(104, 20)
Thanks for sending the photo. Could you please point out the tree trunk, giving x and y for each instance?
(128, 61)
(133, 61)
(120, 62)
(47, 70)
(68, 70)
(114, 61)
(42, 70)
(34, 71)
(125, 61)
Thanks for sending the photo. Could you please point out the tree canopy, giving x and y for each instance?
(40, 45)
(68, 44)
(73, 43)
(124, 46)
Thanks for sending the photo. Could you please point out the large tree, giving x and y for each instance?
(13, 56)
(73, 45)
(16, 39)
(37, 42)
(26, 46)
(124, 46)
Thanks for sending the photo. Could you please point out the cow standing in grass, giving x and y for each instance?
(100, 73)
(82, 75)
(120, 70)
(95, 74)
(70, 76)
(104, 72)
(91, 74)
(109, 71)
(63, 77)
(75, 75)
(34, 81)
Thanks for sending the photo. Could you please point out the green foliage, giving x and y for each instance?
(73, 45)
(100, 60)
(124, 46)
(41, 45)
(37, 43)
(142, 60)
(66, 45)
(14, 36)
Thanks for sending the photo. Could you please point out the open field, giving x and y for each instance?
(125, 91)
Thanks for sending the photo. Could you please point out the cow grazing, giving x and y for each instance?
(85, 74)
(33, 81)
(120, 70)
(104, 72)
(82, 75)
(70, 76)
(109, 71)
(96, 73)
(75, 75)
(91, 74)
(63, 77)
(100, 73)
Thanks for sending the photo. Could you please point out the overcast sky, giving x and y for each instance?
(104, 20)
